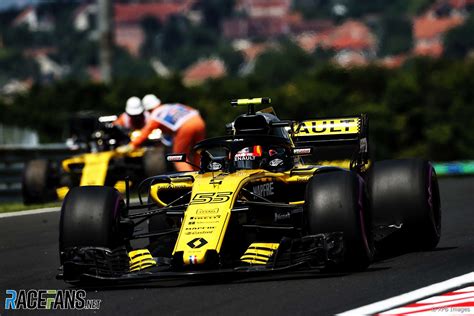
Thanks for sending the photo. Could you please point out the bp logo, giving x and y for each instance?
(197, 243)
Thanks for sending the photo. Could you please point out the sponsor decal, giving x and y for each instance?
(197, 242)
(214, 166)
(244, 156)
(175, 158)
(210, 217)
(211, 211)
(324, 127)
(33, 299)
(276, 162)
(264, 190)
(302, 151)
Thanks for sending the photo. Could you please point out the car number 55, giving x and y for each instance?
(211, 197)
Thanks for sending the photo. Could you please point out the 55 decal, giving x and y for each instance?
(211, 197)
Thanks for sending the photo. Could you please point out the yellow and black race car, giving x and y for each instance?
(271, 195)
(99, 164)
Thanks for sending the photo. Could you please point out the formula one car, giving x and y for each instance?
(270, 196)
(100, 164)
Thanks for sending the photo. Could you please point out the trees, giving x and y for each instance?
(151, 27)
(14, 65)
(396, 35)
(459, 41)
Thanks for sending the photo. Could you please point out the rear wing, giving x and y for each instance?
(334, 139)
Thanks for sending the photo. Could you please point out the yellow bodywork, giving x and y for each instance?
(259, 253)
(212, 198)
(96, 166)
(140, 259)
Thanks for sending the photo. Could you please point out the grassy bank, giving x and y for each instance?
(19, 206)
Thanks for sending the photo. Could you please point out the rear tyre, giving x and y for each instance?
(90, 217)
(337, 202)
(38, 182)
(154, 162)
(406, 193)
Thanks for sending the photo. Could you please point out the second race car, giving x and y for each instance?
(98, 164)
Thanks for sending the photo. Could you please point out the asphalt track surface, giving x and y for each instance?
(28, 260)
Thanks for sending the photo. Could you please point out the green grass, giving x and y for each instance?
(18, 206)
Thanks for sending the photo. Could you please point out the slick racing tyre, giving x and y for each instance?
(38, 182)
(337, 202)
(90, 217)
(405, 194)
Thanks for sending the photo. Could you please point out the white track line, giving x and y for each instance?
(30, 212)
(413, 296)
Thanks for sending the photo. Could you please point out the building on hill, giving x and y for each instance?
(263, 8)
(352, 42)
(203, 70)
(34, 21)
(429, 31)
(128, 17)
(84, 17)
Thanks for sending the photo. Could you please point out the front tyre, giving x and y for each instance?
(90, 217)
(337, 202)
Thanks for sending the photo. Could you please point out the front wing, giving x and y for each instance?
(94, 265)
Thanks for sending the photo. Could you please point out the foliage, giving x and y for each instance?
(397, 35)
(214, 11)
(424, 109)
(281, 64)
(14, 65)
(179, 43)
(459, 41)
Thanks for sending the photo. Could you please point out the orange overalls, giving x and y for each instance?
(126, 121)
(181, 121)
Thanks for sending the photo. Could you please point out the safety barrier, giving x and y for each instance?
(12, 162)
(454, 168)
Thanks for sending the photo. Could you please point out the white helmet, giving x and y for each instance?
(134, 106)
(150, 101)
